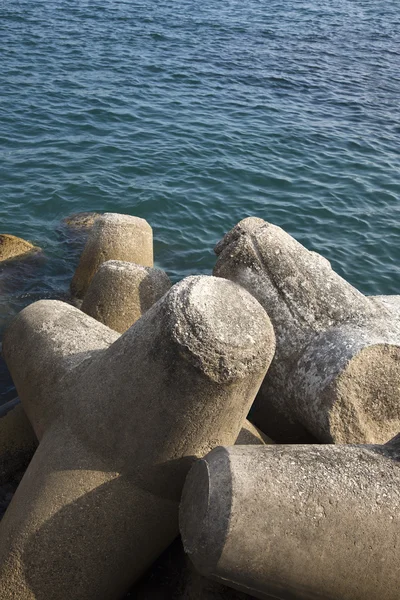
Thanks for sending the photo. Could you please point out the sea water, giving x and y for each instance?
(194, 115)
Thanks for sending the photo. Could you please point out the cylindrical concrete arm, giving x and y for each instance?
(121, 292)
(43, 343)
(206, 338)
(113, 237)
(130, 420)
(337, 363)
(296, 522)
(290, 281)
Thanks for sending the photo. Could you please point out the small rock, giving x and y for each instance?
(12, 246)
(81, 220)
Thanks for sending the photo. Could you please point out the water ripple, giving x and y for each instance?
(194, 115)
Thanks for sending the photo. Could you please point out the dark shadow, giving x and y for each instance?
(97, 544)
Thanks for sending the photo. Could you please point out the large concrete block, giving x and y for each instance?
(120, 420)
(113, 237)
(297, 522)
(336, 373)
(121, 292)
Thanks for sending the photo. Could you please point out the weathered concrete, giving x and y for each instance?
(113, 237)
(390, 302)
(336, 372)
(121, 292)
(120, 420)
(13, 247)
(17, 440)
(173, 576)
(297, 522)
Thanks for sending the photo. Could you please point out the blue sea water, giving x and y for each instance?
(194, 115)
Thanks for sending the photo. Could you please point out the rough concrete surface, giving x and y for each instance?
(173, 576)
(113, 237)
(120, 292)
(336, 373)
(120, 420)
(293, 522)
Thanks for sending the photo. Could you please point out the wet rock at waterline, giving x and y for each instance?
(82, 221)
(310, 521)
(120, 420)
(335, 376)
(120, 292)
(15, 247)
(113, 237)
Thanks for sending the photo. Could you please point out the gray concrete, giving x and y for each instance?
(113, 237)
(120, 292)
(390, 302)
(120, 420)
(335, 376)
(293, 522)
(173, 575)
(17, 440)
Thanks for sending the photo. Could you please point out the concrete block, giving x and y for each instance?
(113, 237)
(120, 420)
(297, 522)
(120, 292)
(173, 575)
(336, 372)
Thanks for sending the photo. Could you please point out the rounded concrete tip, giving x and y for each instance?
(122, 221)
(246, 226)
(222, 327)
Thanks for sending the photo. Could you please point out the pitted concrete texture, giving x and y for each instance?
(13, 247)
(121, 292)
(113, 237)
(297, 522)
(120, 420)
(335, 376)
(173, 576)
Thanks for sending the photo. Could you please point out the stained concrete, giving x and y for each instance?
(113, 237)
(335, 376)
(120, 420)
(294, 522)
(121, 292)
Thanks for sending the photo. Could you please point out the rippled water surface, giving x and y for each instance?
(194, 115)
